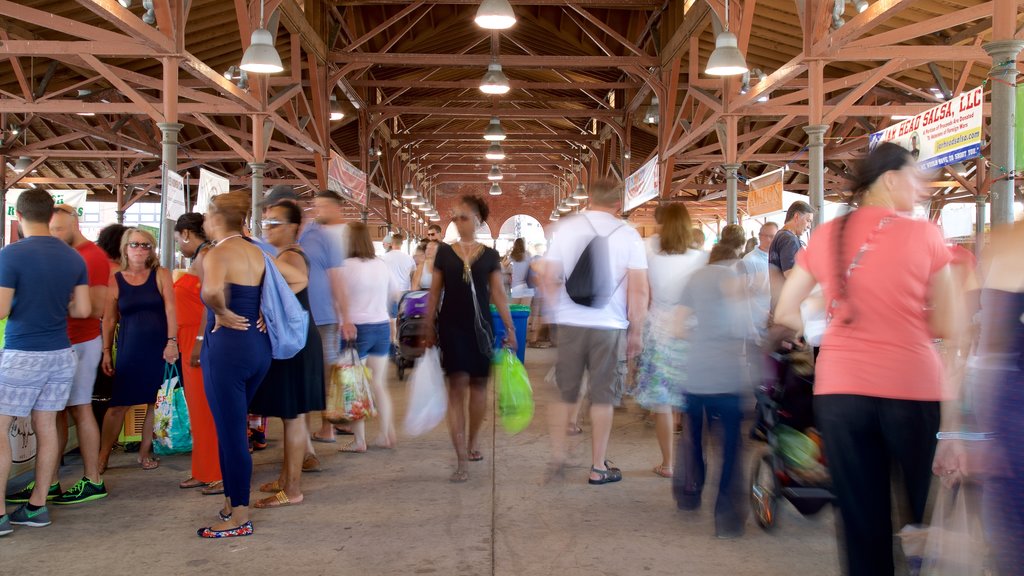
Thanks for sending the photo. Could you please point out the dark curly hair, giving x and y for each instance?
(191, 221)
(109, 240)
(292, 211)
(478, 204)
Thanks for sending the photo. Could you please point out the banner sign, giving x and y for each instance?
(210, 185)
(642, 185)
(73, 198)
(1018, 142)
(764, 194)
(346, 179)
(175, 191)
(943, 135)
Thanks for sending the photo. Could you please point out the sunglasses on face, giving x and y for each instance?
(270, 224)
(143, 245)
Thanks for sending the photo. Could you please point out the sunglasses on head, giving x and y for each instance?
(143, 245)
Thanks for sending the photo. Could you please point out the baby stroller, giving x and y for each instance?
(791, 466)
(412, 325)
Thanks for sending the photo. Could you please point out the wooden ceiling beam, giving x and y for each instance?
(877, 13)
(57, 23)
(611, 4)
(918, 29)
(127, 22)
(482, 60)
(493, 112)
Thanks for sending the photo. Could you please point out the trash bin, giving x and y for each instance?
(520, 318)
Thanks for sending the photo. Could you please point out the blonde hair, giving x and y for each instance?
(151, 260)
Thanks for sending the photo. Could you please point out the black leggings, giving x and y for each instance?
(866, 439)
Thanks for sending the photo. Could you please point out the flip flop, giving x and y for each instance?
(324, 440)
(663, 471)
(458, 477)
(311, 464)
(149, 463)
(214, 488)
(574, 430)
(351, 449)
(343, 432)
(278, 500)
(191, 483)
(475, 456)
(271, 487)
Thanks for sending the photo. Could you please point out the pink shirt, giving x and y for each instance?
(887, 349)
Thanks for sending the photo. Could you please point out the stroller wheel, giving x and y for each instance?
(764, 492)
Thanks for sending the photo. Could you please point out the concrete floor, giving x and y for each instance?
(394, 512)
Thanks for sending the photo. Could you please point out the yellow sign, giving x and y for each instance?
(765, 194)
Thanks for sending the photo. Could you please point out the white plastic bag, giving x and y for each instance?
(955, 545)
(428, 398)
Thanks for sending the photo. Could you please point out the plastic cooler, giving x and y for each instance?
(520, 318)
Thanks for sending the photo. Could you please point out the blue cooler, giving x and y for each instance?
(520, 318)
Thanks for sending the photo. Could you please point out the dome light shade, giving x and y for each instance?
(494, 80)
(653, 112)
(22, 164)
(563, 208)
(554, 216)
(125, 3)
(726, 60)
(261, 57)
(495, 15)
(408, 193)
(495, 173)
(418, 200)
(435, 217)
(494, 132)
(336, 112)
(572, 202)
(495, 189)
(494, 152)
(580, 193)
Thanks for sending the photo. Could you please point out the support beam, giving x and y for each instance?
(816, 154)
(482, 60)
(731, 193)
(1004, 72)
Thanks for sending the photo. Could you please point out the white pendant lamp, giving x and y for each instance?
(726, 60)
(653, 112)
(495, 15)
(419, 200)
(494, 81)
(125, 3)
(261, 57)
(435, 217)
(495, 173)
(572, 202)
(580, 193)
(495, 152)
(554, 216)
(22, 164)
(408, 193)
(563, 208)
(495, 189)
(336, 112)
(494, 131)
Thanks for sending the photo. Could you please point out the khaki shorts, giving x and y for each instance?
(596, 351)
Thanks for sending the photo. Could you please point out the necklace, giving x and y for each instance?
(223, 240)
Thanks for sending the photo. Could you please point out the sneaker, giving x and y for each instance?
(259, 440)
(22, 496)
(83, 491)
(5, 525)
(22, 516)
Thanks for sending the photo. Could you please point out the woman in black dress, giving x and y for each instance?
(464, 328)
(293, 387)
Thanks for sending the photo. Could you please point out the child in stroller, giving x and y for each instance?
(412, 323)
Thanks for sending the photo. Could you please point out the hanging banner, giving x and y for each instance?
(175, 191)
(642, 185)
(1018, 143)
(346, 179)
(74, 198)
(764, 194)
(210, 185)
(943, 135)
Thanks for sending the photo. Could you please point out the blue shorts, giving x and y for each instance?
(372, 340)
(35, 381)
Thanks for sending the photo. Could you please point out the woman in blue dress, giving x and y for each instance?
(236, 351)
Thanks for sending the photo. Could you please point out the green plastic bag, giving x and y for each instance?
(515, 396)
(172, 433)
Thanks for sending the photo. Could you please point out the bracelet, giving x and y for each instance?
(172, 338)
(199, 338)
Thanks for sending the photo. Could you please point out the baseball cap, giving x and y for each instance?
(278, 193)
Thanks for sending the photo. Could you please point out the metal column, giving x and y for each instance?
(979, 224)
(1001, 129)
(816, 157)
(257, 197)
(169, 130)
(732, 213)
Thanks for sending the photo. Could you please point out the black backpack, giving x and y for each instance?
(590, 282)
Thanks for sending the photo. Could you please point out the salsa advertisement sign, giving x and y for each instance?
(642, 185)
(764, 195)
(943, 135)
(346, 179)
(73, 198)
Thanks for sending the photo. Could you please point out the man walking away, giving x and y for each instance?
(596, 278)
(755, 265)
(399, 263)
(39, 276)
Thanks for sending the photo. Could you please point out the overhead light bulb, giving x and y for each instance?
(408, 193)
(336, 113)
(572, 202)
(125, 3)
(495, 189)
(495, 15)
(494, 131)
(626, 154)
(726, 60)
(495, 152)
(761, 77)
(860, 5)
(563, 208)
(435, 217)
(653, 112)
(22, 164)
(495, 173)
(494, 80)
(15, 129)
(261, 57)
(580, 193)
(418, 200)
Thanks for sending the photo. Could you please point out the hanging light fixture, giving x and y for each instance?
(495, 152)
(726, 60)
(572, 202)
(435, 217)
(125, 3)
(860, 5)
(554, 216)
(22, 164)
(149, 17)
(495, 173)
(563, 208)
(261, 57)
(626, 154)
(580, 193)
(494, 131)
(653, 112)
(495, 189)
(495, 15)
(494, 80)
(408, 193)
(336, 112)
(419, 200)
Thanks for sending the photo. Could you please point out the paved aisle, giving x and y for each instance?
(395, 513)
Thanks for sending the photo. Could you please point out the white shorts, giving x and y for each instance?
(89, 355)
(35, 381)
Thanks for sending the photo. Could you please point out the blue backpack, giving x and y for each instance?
(287, 321)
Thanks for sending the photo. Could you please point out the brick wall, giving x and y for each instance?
(530, 199)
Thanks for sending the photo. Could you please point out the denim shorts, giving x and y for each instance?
(372, 339)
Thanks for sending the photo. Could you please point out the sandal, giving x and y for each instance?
(243, 530)
(343, 431)
(475, 456)
(324, 440)
(574, 429)
(224, 517)
(278, 500)
(214, 488)
(606, 476)
(190, 483)
(351, 449)
(149, 463)
(271, 487)
(459, 477)
(663, 471)
(311, 464)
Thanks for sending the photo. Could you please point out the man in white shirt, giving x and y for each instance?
(758, 283)
(399, 263)
(598, 315)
